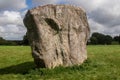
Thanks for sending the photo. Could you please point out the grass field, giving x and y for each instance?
(103, 63)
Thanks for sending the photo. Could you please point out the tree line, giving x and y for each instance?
(95, 39)
(14, 42)
(102, 39)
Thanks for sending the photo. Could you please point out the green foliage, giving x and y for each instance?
(108, 39)
(98, 38)
(103, 63)
(1, 39)
(5, 42)
(117, 38)
(94, 40)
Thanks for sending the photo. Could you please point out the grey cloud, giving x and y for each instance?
(43, 2)
(12, 32)
(11, 25)
(12, 4)
(112, 30)
(12, 36)
(10, 17)
(97, 27)
(103, 17)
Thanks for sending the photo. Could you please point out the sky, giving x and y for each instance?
(103, 15)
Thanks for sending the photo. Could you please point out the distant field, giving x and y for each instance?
(103, 63)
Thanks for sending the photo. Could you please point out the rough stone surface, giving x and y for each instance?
(57, 35)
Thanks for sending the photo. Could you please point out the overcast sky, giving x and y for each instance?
(103, 15)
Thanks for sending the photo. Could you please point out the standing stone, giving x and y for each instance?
(57, 34)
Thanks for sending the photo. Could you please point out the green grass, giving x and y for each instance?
(103, 63)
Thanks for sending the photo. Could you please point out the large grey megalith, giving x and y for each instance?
(58, 35)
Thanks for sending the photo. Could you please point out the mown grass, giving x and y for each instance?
(103, 63)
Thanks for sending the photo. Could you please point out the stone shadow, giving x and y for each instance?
(22, 68)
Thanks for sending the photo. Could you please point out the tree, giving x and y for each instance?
(1, 38)
(117, 38)
(93, 40)
(2, 41)
(108, 39)
(98, 38)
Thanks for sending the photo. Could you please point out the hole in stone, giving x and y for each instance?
(52, 24)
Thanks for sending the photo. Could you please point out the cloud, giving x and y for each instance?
(101, 28)
(10, 17)
(96, 27)
(43, 2)
(88, 5)
(12, 4)
(11, 25)
(103, 15)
